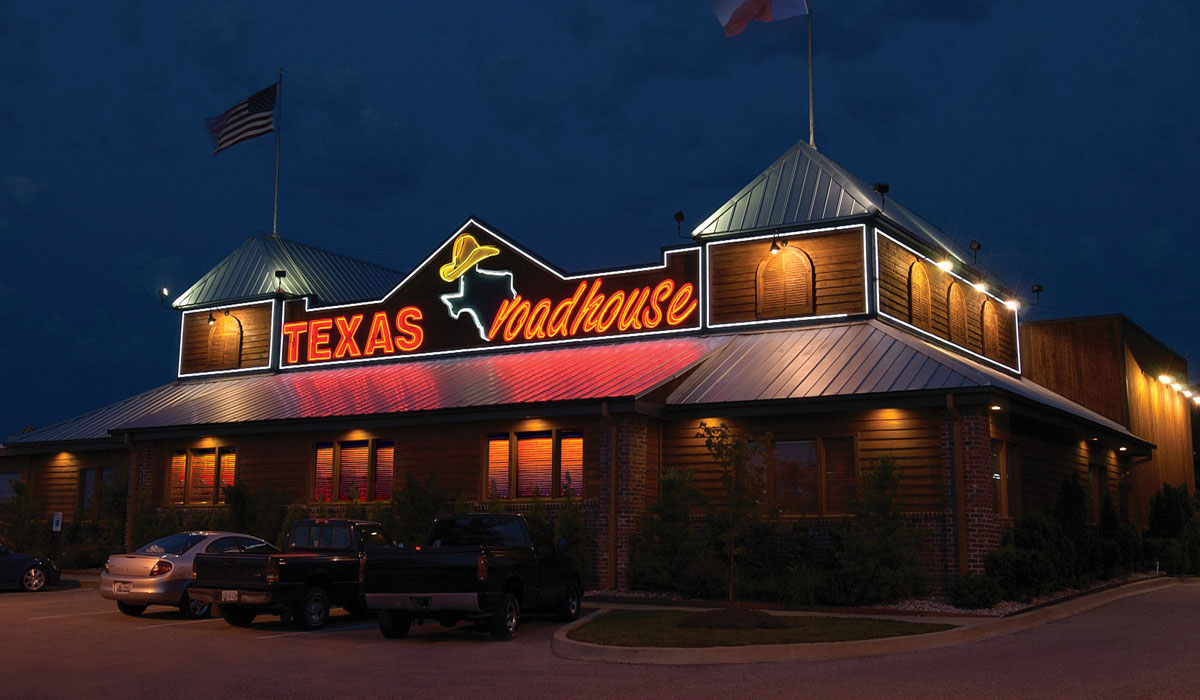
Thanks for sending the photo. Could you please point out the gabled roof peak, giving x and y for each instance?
(804, 187)
(249, 273)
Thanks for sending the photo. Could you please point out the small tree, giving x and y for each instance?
(416, 506)
(736, 454)
(668, 553)
(569, 527)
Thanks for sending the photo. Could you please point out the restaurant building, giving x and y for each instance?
(808, 305)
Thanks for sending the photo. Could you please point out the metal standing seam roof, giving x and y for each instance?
(578, 372)
(861, 358)
(802, 187)
(249, 273)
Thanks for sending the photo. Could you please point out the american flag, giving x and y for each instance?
(253, 116)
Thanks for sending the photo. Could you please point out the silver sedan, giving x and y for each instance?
(160, 572)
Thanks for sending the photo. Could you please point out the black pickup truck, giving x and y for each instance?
(483, 567)
(320, 566)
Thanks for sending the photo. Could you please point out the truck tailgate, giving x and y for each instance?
(231, 570)
(442, 569)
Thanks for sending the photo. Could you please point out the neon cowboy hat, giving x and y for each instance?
(467, 253)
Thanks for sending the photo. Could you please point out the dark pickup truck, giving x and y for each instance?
(320, 566)
(483, 567)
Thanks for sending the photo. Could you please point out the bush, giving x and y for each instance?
(1039, 533)
(877, 553)
(415, 507)
(21, 522)
(1167, 555)
(569, 527)
(293, 513)
(1021, 573)
(668, 554)
(1071, 509)
(1170, 511)
(975, 592)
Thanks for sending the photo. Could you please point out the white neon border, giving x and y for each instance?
(790, 319)
(938, 338)
(270, 352)
(493, 348)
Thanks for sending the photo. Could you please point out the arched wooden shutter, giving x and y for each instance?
(225, 342)
(991, 329)
(919, 296)
(956, 309)
(783, 284)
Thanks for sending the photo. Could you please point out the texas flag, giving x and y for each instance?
(734, 15)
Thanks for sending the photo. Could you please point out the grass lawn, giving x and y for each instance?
(660, 628)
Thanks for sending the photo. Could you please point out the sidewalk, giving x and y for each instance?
(969, 629)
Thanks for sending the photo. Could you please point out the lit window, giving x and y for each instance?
(571, 469)
(226, 471)
(497, 478)
(535, 465)
(201, 481)
(178, 477)
(813, 477)
(546, 463)
(349, 466)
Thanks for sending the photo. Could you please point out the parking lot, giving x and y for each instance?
(71, 643)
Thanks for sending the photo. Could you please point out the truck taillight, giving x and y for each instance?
(481, 568)
(272, 571)
(160, 568)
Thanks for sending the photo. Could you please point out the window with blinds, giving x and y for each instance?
(783, 284)
(226, 471)
(323, 478)
(177, 479)
(497, 476)
(535, 464)
(919, 296)
(814, 477)
(797, 481)
(353, 470)
(956, 309)
(385, 464)
(840, 476)
(571, 463)
(201, 481)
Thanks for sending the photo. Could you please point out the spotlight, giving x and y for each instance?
(997, 407)
(1013, 304)
(775, 247)
(1037, 291)
(1166, 378)
(945, 265)
(975, 246)
(1123, 449)
(211, 320)
(980, 286)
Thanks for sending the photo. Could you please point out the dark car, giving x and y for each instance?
(25, 571)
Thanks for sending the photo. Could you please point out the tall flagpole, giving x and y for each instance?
(811, 139)
(279, 125)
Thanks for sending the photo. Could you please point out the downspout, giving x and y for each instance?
(960, 496)
(612, 495)
(132, 485)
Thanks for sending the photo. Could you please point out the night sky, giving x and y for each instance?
(1060, 135)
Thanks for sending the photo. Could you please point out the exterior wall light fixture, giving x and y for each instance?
(980, 286)
(945, 265)
(211, 320)
(1012, 304)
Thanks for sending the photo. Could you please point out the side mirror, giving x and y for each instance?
(562, 545)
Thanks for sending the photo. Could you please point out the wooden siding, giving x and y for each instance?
(208, 348)
(55, 476)
(895, 265)
(837, 260)
(913, 437)
(1161, 415)
(1043, 460)
(1080, 360)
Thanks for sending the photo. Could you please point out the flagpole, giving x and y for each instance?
(811, 139)
(279, 125)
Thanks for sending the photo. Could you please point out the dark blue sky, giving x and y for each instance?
(1060, 135)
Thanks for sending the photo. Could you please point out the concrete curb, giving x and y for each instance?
(674, 656)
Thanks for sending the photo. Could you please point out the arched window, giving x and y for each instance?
(919, 296)
(990, 321)
(224, 342)
(783, 284)
(956, 310)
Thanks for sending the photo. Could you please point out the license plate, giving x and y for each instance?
(229, 596)
(122, 587)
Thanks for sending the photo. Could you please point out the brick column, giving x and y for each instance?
(619, 519)
(983, 523)
(143, 463)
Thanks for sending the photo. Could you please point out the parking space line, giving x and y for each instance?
(326, 629)
(173, 624)
(51, 617)
(44, 601)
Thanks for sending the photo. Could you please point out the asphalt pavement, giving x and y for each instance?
(71, 643)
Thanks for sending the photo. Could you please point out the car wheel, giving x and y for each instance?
(313, 610)
(394, 624)
(193, 609)
(237, 615)
(568, 609)
(130, 609)
(34, 579)
(505, 618)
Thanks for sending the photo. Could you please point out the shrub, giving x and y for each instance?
(538, 521)
(569, 527)
(1190, 542)
(1021, 573)
(416, 506)
(1170, 511)
(21, 522)
(1040, 533)
(293, 513)
(1071, 509)
(666, 543)
(877, 553)
(975, 591)
(1167, 555)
